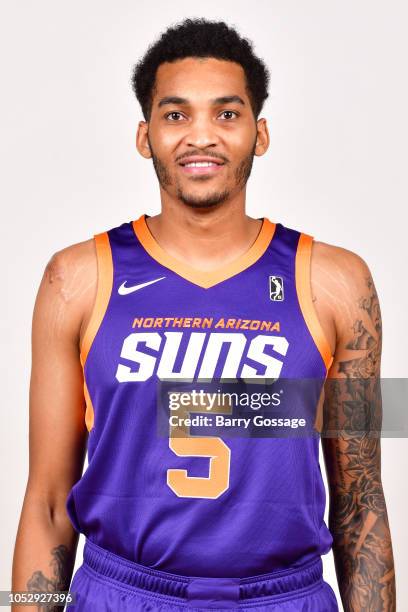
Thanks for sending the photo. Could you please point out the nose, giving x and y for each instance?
(202, 134)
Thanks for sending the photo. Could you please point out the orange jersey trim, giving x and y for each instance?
(89, 412)
(304, 292)
(202, 278)
(103, 293)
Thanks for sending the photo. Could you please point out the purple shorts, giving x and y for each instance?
(106, 582)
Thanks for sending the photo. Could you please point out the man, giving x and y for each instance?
(203, 292)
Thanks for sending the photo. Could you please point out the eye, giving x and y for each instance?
(173, 113)
(226, 112)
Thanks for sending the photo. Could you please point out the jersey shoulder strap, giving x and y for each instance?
(304, 292)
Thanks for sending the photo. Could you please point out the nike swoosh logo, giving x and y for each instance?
(123, 290)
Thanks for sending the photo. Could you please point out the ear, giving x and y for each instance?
(262, 137)
(142, 141)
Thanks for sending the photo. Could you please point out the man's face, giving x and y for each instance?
(200, 109)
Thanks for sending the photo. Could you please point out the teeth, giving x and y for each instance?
(200, 164)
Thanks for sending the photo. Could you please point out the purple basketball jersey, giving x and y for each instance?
(199, 505)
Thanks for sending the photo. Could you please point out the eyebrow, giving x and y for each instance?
(214, 102)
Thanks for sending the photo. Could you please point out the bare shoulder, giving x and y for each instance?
(69, 281)
(336, 258)
(344, 292)
(69, 268)
(338, 274)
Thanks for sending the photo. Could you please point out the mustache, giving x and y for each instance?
(202, 153)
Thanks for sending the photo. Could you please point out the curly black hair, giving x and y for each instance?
(199, 37)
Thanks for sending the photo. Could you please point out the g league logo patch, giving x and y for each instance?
(276, 288)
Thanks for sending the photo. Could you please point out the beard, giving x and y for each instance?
(212, 198)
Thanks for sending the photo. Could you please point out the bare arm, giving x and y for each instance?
(46, 542)
(351, 442)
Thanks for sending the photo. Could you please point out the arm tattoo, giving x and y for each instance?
(61, 566)
(352, 425)
(367, 340)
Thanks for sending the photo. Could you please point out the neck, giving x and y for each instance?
(204, 238)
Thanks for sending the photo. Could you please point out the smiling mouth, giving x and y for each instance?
(201, 167)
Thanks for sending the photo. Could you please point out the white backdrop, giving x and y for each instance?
(336, 167)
